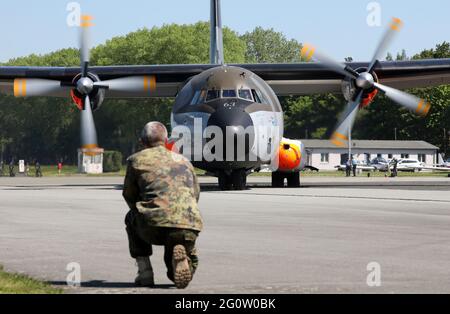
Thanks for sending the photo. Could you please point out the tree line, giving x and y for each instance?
(47, 129)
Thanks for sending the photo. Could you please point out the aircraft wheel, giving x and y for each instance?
(293, 179)
(225, 183)
(278, 179)
(239, 179)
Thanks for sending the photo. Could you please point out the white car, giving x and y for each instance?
(409, 165)
(447, 163)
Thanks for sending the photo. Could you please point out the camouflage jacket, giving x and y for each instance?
(163, 187)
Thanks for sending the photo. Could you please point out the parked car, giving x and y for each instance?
(412, 165)
(447, 163)
(379, 164)
(359, 165)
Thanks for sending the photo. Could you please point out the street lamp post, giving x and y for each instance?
(350, 145)
(446, 142)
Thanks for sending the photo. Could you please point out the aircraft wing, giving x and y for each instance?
(285, 79)
(310, 78)
(169, 78)
(440, 169)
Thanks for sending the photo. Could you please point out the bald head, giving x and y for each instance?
(154, 134)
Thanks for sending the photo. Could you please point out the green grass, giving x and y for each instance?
(52, 171)
(21, 284)
(69, 170)
(372, 174)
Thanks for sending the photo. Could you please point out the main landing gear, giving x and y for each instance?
(236, 180)
(293, 179)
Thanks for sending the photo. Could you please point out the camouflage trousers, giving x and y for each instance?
(142, 236)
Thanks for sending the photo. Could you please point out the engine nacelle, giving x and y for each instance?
(368, 98)
(97, 96)
(349, 88)
(290, 155)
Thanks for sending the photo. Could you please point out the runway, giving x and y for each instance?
(316, 239)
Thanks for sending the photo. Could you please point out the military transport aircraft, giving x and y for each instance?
(234, 97)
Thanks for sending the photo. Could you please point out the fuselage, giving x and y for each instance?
(233, 118)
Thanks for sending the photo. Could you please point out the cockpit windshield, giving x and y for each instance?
(202, 96)
(229, 93)
(245, 94)
(212, 94)
(195, 99)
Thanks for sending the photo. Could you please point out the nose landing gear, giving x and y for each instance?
(236, 180)
(293, 179)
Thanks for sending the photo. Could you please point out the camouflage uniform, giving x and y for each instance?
(162, 191)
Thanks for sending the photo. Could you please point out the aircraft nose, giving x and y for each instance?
(237, 130)
(234, 117)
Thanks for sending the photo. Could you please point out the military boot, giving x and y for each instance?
(182, 274)
(145, 272)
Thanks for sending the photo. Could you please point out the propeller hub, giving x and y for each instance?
(365, 80)
(85, 85)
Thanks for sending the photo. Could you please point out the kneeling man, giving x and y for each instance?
(162, 192)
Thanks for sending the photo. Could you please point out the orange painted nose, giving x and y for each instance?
(289, 157)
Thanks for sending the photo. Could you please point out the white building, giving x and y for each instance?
(323, 155)
(90, 160)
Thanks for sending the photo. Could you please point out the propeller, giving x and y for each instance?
(85, 85)
(341, 135)
(87, 126)
(310, 52)
(365, 82)
(394, 27)
(413, 103)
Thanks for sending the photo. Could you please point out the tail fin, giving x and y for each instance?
(216, 48)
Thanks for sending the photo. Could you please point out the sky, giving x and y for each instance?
(338, 28)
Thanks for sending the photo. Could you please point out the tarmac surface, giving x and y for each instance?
(316, 239)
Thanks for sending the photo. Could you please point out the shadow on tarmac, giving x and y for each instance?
(102, 284)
